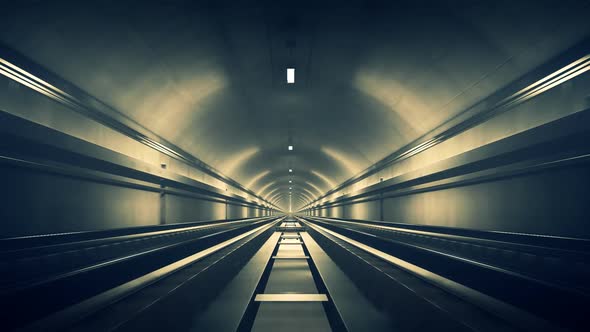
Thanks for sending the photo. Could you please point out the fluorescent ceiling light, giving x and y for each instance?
(290, 170)
(290, 147)
(290, 75)
(290, 181)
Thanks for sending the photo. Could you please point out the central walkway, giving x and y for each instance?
(291, 299)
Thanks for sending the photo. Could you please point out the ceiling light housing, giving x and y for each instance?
(290, 75)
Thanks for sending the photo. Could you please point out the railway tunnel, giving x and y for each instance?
(295, 166)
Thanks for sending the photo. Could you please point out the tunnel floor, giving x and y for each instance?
(292, 274)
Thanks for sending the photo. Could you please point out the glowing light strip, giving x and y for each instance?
(579, 67)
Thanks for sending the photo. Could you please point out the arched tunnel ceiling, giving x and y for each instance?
(370, 76)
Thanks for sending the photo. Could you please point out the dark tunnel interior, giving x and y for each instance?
(295, 165)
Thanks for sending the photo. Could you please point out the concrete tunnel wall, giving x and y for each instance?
(552, 202)
(47, 196)
(41, 203)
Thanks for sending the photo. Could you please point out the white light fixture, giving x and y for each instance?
(290, 181)
(290, 75)
(290, 147)
(290, 188)
(290, 170)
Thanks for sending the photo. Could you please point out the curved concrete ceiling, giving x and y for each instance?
(371, 77)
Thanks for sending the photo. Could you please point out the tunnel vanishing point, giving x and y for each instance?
(183, 165)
